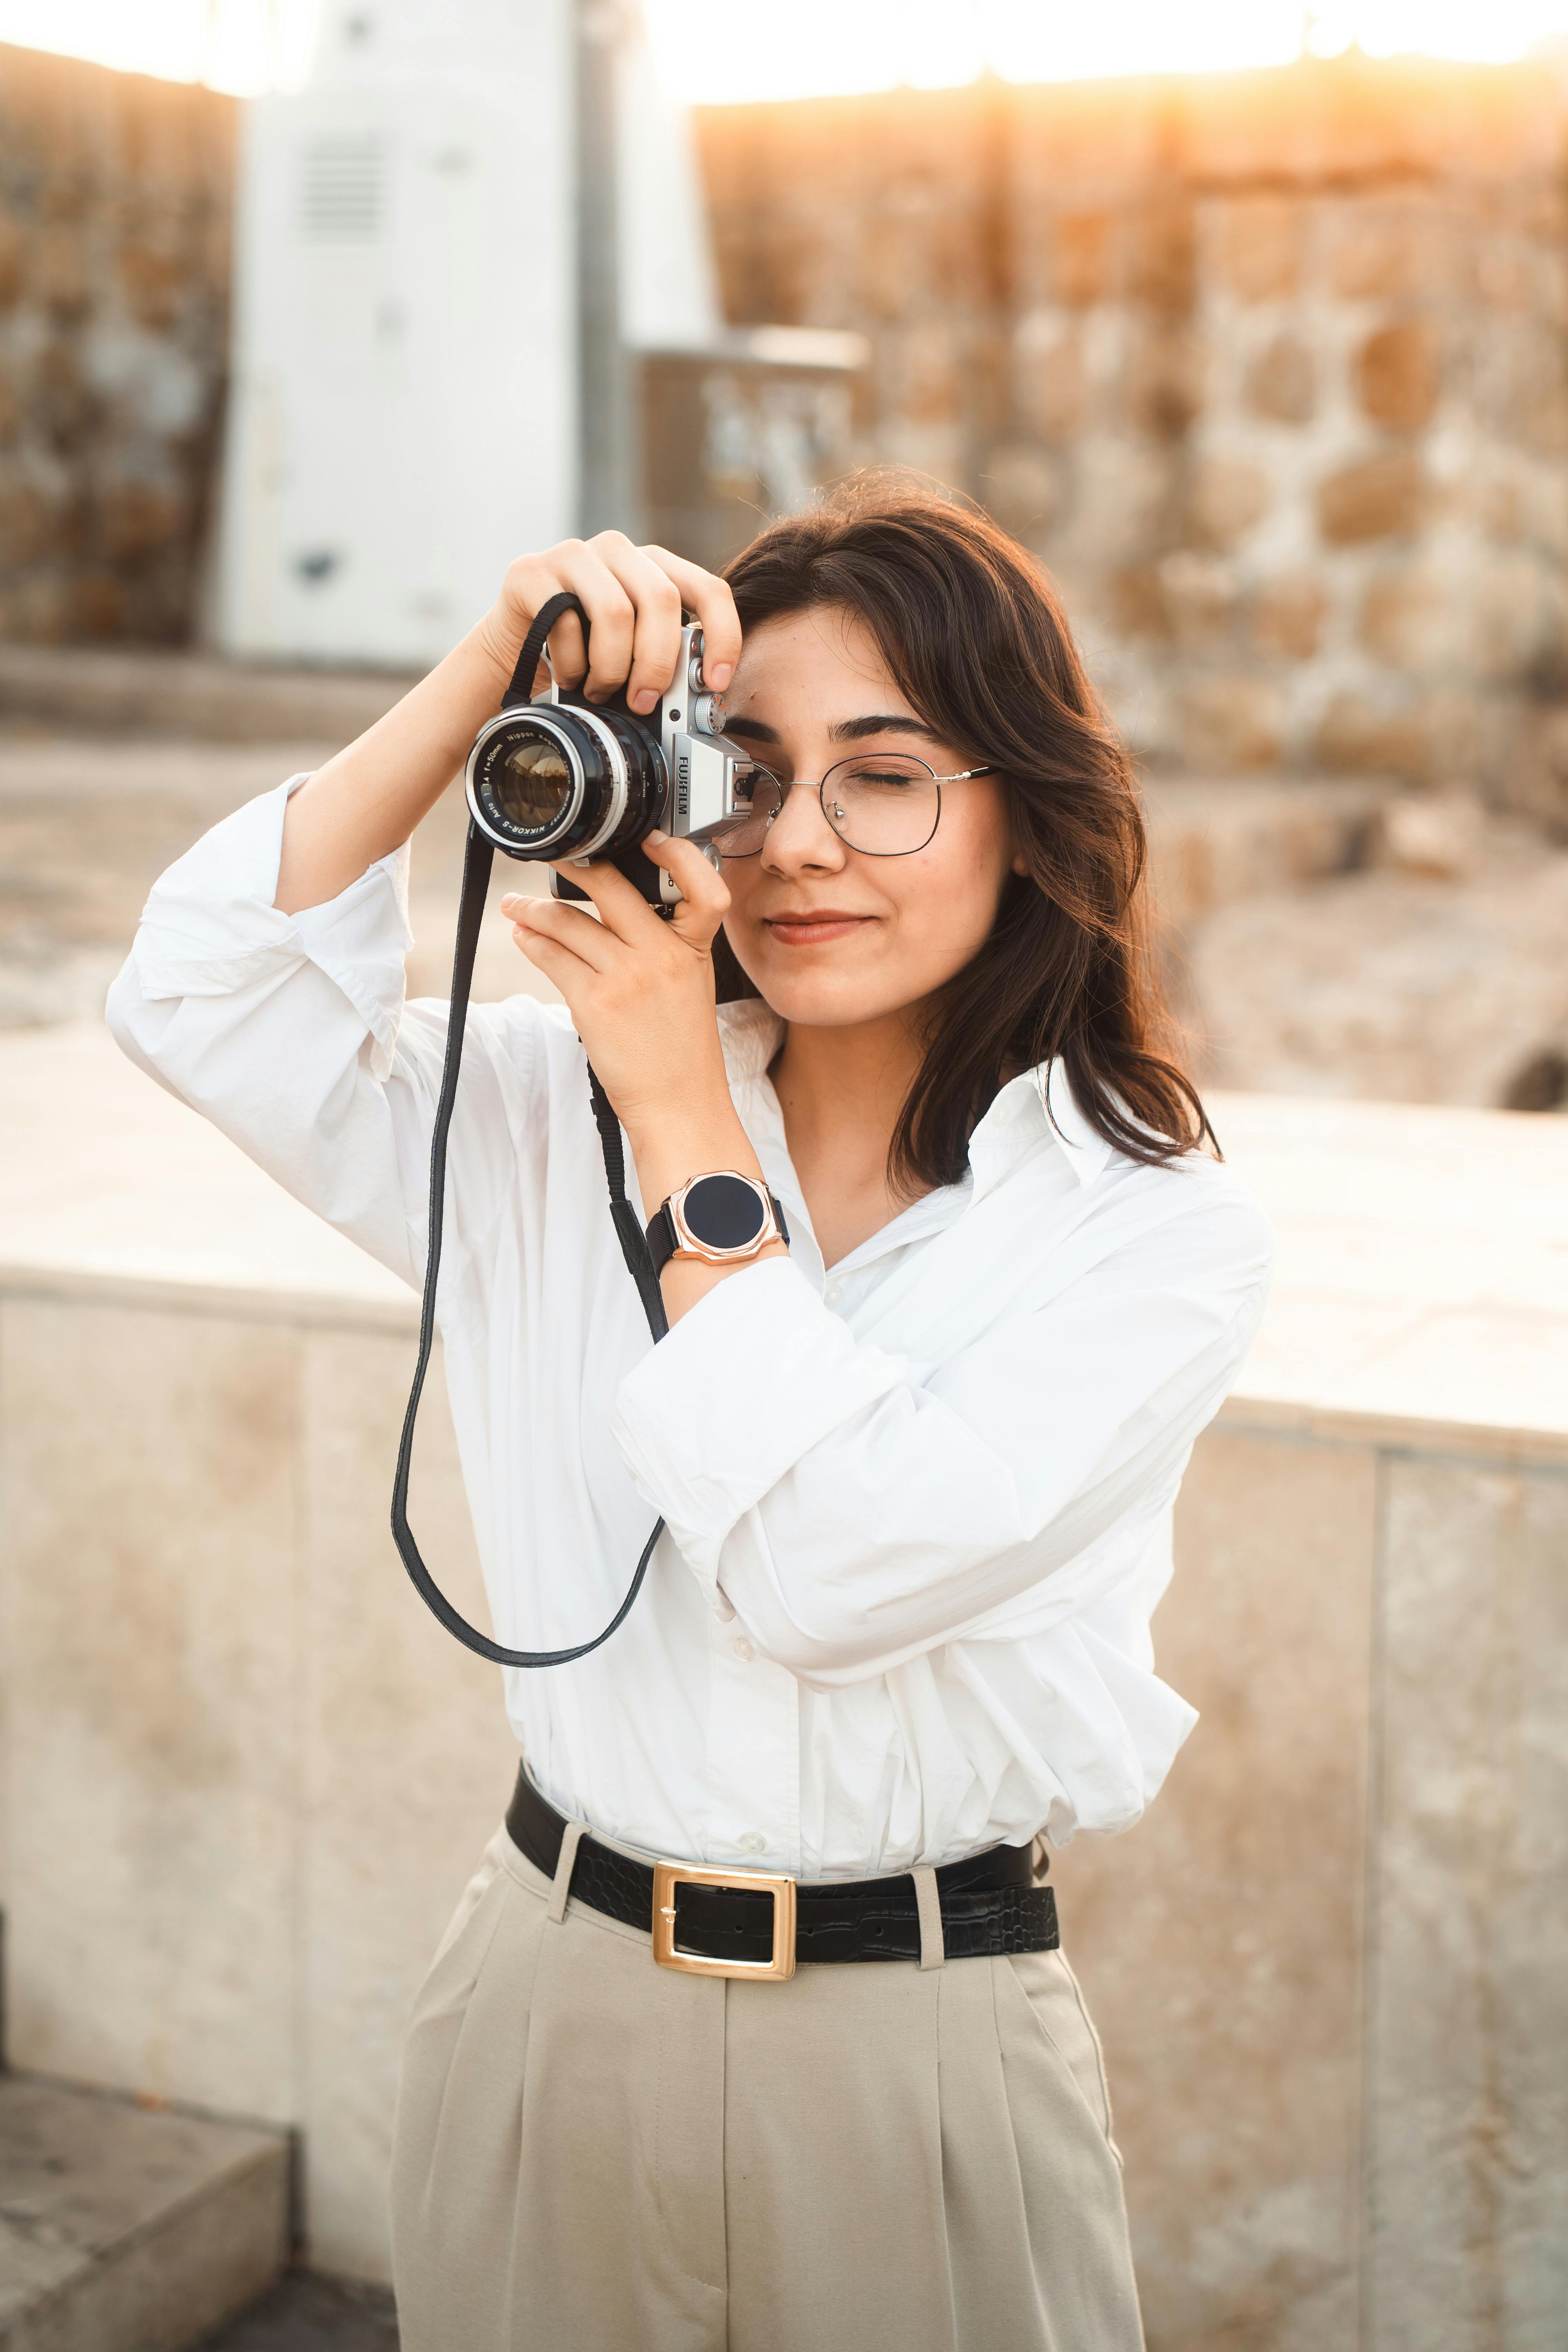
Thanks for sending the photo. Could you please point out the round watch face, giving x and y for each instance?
(723, 1213)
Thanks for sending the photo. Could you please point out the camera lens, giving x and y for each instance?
(532, 784)
(554, 781)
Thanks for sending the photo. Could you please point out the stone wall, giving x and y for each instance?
(115, 199)
(1267, 367)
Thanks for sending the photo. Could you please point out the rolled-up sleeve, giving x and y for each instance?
(291, 1034)
(855, 1511)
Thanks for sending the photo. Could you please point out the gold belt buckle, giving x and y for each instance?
(668, 1876)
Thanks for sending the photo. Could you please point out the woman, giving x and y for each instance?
(917, 1463)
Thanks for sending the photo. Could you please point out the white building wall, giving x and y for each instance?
(404, 414)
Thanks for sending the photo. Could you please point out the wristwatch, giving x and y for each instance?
(723, 1219)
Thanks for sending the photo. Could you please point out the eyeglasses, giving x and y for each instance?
(883, 804)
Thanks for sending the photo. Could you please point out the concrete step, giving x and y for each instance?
(130, 2229)
(305, 2313)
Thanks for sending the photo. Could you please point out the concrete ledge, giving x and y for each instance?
(1421, 1296)
(1392, 1433)
(127, 2229)
(156, 691)
(308, 1310)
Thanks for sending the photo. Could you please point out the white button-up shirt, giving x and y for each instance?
(917, 1505)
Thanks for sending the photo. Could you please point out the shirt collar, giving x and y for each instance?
(1084, 1149)
(1037, 1107)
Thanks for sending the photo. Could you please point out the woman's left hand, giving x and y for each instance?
(639, 986)
(641, 991)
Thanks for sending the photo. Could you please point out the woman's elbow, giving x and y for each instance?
(135, 1024)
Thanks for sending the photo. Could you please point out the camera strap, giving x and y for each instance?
(478, 858)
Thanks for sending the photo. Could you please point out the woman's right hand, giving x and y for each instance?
(633, 597)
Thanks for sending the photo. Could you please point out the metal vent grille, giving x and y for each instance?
(342, 190)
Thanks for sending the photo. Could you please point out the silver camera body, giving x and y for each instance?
(563, 779)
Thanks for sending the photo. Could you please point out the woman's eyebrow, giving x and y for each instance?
(843, 730)
(884, 722)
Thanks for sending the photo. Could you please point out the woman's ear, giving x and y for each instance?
(1019, 863)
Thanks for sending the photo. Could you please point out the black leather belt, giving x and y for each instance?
(746, 1923)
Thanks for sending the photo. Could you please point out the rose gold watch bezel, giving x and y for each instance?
(690, 1245)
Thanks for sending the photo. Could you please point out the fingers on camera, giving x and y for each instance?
(634, 597)
(567, 658)
(704, 594)
(611, 620)
(705, 891)
(646, 639)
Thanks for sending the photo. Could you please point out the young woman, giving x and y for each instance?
(916, 1465)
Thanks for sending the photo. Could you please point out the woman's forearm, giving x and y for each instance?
(366, 800)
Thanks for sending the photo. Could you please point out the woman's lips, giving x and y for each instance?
(813, 930)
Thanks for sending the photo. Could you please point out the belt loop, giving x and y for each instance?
(570, 1837)
(928, 1901)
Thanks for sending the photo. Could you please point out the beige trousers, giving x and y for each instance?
(593, 2154)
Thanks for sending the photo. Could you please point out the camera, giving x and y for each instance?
(563, 778)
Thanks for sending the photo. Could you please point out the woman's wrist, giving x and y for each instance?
(669, 1150)
(673, 1147)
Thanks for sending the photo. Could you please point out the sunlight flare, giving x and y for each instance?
(714, 51)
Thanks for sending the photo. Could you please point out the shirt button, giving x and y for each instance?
(744, 1651)
(753, 1842)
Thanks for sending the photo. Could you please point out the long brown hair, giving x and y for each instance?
(971, 630)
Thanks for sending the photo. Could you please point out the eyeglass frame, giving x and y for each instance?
(796, 782)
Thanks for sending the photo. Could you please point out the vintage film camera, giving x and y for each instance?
(564, 778)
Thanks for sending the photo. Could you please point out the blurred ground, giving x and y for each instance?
(88, 821)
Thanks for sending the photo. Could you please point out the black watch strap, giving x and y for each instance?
(663, 1240)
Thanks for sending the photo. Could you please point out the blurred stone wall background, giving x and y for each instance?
(1268, 368)
(115, 203)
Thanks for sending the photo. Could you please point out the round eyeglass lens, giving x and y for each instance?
(883, 803)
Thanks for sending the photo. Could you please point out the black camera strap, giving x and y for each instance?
(478, 858)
